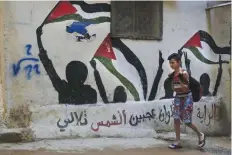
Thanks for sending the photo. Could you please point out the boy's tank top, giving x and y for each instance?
(176, 84)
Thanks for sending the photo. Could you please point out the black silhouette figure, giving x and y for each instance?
(168, 89)
(73, 91)
(205, 83)
(99, 82)
(120, 95)
(157, 78)
(119, 92)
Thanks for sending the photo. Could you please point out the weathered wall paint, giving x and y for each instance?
(116, 70)
(2, 67)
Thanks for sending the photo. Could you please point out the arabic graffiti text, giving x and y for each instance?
(208, 114)
(113, 122)
(163, 116)
(135, 120)
(75, 119)
(29, 68)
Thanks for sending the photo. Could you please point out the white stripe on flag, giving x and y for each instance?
(90, 15)
(128, 71)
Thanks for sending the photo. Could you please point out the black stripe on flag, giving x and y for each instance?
(133, 60)
(210, 41)
(92, 8)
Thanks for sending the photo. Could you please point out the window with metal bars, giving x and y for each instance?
(141, 20)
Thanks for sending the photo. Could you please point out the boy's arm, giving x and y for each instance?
(184, 75)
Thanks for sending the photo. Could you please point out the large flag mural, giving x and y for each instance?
(66, 10)
(194, 43)
(89, 24)
(106, 56)
(82, 15)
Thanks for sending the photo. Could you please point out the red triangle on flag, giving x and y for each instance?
(105, 49)
(194, 41)
(62, 8)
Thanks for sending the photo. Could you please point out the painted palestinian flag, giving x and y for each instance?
(68, 10)
(106, 56)
(195, 42)
(85, 14)
(133, 60)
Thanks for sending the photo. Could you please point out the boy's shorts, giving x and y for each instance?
(183, 107)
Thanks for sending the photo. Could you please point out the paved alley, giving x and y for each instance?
(115, 146)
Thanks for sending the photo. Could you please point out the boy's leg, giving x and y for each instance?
(177, 130)
(176, 116)
(187, 119)
(200, 135)
(194, 128)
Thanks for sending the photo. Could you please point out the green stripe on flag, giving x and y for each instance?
(198, 54)
(109, 65)
(80, 18)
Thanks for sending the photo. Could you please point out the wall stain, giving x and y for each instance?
(19, 116)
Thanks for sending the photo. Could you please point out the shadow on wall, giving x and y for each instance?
(74, 91)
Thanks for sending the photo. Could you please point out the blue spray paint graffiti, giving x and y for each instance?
(78, 29)
(28, 49)
(29, 68)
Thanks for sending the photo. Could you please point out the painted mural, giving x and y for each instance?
(78, 24)
(200, 88)
(74, 91)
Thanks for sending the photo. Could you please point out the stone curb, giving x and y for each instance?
(16, 135)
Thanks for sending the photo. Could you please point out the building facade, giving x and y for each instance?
(61, 56)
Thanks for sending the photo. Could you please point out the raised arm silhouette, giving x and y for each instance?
(73, 91)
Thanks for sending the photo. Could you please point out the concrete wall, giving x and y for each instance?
(127, 68)
(143, 119)
(219, 19)
(220, 28)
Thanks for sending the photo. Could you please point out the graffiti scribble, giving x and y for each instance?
(28, 68)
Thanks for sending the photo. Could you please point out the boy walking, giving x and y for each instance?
(183, 102)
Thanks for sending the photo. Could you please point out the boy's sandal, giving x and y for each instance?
(175, 146)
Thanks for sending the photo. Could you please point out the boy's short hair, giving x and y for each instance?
(174, 56)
